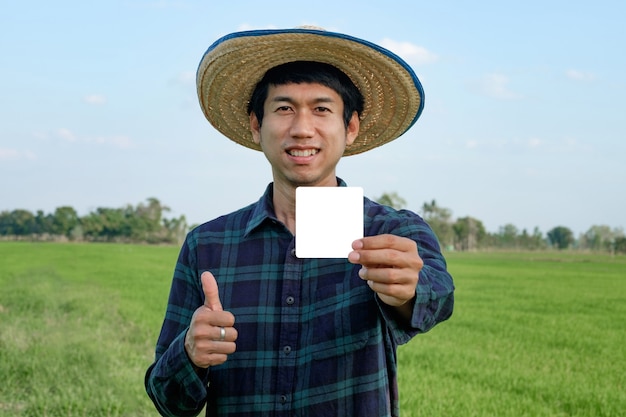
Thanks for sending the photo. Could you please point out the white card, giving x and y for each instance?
(328, 220)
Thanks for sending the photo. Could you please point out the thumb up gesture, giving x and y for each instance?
(211, 335)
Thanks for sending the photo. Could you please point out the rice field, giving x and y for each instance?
(533, 333)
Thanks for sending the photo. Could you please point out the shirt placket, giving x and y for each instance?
(289, 330)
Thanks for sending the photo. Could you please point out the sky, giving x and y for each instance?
(523, 121)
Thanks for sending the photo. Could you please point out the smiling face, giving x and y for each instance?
(303, 134)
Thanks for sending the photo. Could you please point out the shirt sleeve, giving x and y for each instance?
(173, 385)
(434, 300)
(171, 381)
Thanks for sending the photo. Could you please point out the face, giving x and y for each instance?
(303, 134)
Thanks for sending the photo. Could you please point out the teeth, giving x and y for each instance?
(307, 152)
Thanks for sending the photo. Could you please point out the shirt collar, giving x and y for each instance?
(264, 208)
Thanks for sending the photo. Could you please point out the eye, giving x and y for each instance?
(283, 109)
(322, 109)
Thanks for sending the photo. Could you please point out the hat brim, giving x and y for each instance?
(233, 65)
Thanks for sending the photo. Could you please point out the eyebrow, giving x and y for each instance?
(288, 99)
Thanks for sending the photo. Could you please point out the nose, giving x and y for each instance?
(302, 125)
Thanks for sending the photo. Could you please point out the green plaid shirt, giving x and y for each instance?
(314, 340)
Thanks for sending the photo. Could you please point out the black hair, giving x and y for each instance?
(299, 72)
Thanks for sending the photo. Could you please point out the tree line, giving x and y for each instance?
(143, 223)
(468, 233)
(146, 223)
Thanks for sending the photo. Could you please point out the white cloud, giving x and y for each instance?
(410, 52)
(6, 154)
(118, 141)
(95, 99)
(495, 86)
(504, 144)
(185, 79)
(121, 142)
(572, 145)
(531, 145)
(471, 144)
(16, 155)
(534, 143)
(577, 75)
(66, 135)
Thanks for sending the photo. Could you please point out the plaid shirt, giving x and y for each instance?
(314, 340)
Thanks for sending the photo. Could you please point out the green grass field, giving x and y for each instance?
(533, 334)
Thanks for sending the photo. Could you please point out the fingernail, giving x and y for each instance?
(357, 244)
(363, 273)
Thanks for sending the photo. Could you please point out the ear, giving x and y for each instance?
(255, 128)
(352, 130)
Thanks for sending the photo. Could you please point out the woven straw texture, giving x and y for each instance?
(232, 67)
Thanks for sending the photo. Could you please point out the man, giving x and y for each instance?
(251, 329)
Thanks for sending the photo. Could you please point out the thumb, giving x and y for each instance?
(211, 293)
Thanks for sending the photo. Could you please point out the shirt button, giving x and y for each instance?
(290, 300)
(283, 399)
(287, 350)
(293, 252)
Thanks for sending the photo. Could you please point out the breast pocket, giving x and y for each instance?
(344, 317)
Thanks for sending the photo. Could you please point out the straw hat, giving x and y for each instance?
(234, 64)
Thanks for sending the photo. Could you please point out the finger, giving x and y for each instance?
(212, 359)
(211, 292)
(210, 347)
(383, 258)
(386, 251)
(204, 360)
(230, 334)
(394, 289)
(387, 276)
(384, 241)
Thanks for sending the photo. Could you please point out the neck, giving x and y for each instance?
(285, 201)
(285, 206)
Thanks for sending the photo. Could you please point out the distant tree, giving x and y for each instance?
(143, 223)
(176, 229)
(534, 241)
(601, 238)
(392, 200)
(561, 237)
(43, 223)
(106, 224)
(6, 223)
(523, 239)
(469, 233)
(440, 220)
(19, 223)
(64, 220)
(620, 245)
(508, 236)
(147, 221)
(91, 225)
